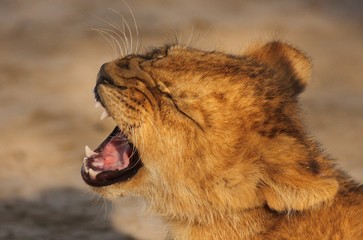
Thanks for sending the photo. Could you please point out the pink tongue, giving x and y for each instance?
(116, 154)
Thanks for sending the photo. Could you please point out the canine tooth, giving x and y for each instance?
(86, 169)
(89, 152)
(104, 115)
(85, 165)
(92, 173)
(98, 104)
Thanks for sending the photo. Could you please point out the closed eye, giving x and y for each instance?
(175, 103)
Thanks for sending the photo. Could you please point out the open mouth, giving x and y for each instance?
(115, 160)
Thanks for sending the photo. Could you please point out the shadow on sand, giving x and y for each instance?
(57, 214)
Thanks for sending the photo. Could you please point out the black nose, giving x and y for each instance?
(102, 78)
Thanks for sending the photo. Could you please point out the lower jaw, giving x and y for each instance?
(110, 177)
(123, 176)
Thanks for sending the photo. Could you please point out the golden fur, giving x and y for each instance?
(224, 152)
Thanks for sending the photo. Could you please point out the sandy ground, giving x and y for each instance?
(49, 58)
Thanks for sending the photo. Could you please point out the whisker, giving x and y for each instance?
(130, 34)
(142, 144)
(170, 37)
(135, 142)
(103, 34)
(190, 37)
(113, 203)
(152, 124)
(120, 37)
(123, 33)
(106, 31)
(177, 38)
(134, 148)
(137, 139)
(130, 49)
(101, 210)
(125, 36)
(139, 46)
(180, 38)
(105, 202)
(113, 25)
(135, 24)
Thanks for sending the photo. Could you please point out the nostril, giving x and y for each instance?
(123, 64)
(104, 80)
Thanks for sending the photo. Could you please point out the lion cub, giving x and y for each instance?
(214, 143)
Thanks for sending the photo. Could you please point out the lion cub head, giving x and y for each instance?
(200, 134)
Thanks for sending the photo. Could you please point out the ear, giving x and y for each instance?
(297, 180)
(291, 65)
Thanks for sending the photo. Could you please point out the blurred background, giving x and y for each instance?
(49, 59)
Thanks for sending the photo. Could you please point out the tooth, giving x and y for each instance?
(104, 115)
(98, 164)
(92, 173)
(86, 169)
(98, 104)
(85, 165)
(89, 152)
